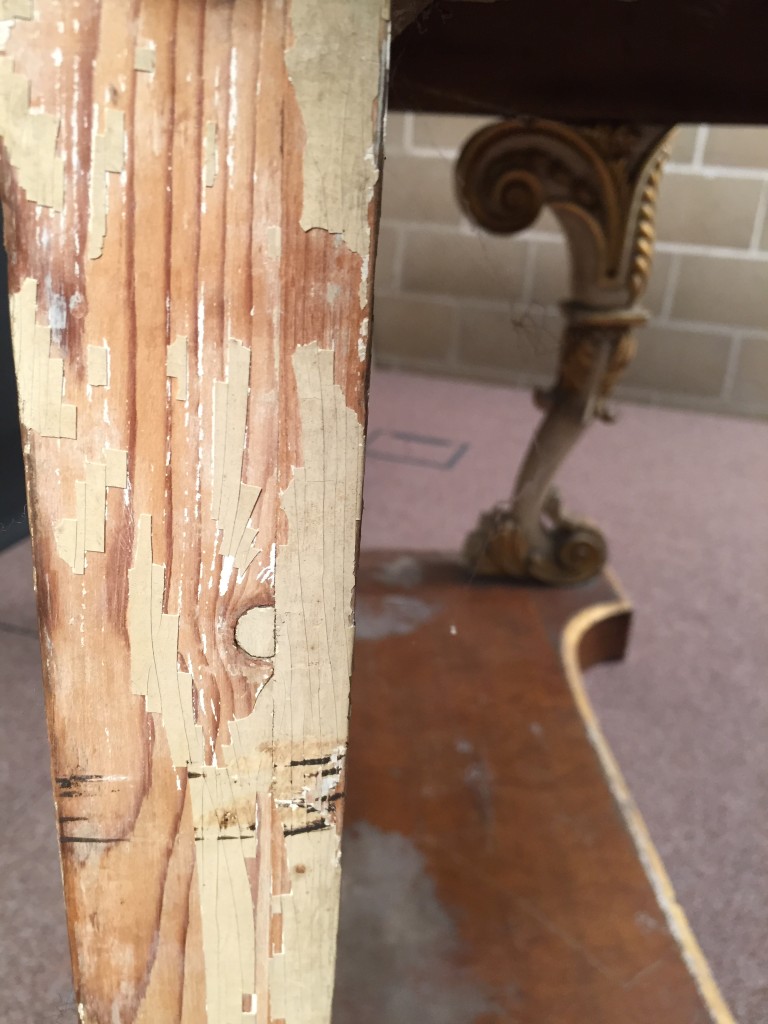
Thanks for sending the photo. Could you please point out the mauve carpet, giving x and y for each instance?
(683, 499)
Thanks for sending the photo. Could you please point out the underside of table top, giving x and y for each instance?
(648, 60)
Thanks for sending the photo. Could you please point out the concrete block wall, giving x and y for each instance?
(452, 300)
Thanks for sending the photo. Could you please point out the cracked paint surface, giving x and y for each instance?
(340, 163)
(192, 409)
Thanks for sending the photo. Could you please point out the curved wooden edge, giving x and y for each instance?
(600, 633)
(474, 741)
(606, 637)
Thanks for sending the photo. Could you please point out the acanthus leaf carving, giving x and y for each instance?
(601, 181)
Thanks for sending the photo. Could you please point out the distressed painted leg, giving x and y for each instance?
(190, 197)
(601, 182)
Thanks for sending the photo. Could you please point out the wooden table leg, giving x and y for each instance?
(190, 197)
(601, 181)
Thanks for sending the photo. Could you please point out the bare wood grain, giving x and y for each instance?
(190, 202)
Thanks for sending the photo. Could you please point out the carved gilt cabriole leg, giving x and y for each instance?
(601, 182)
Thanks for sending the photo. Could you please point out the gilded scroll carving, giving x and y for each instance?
(601, 181)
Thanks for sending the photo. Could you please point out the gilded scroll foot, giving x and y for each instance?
(566, 550)
(601, 182)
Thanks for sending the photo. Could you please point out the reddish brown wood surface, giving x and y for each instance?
(466, 740)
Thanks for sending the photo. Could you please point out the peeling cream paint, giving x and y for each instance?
(223, 803)
(154, 638)
(226, 902)
(301, 976)
(210, 154)
(30, 137)
(116, 461)
(234, 501)
(23, 9)
(314, 569)
(177, 365)
(302, 711)
(39, 375)
(108, 157)
(75, 537)
(340, 167)
(285, 758)
(145, 59)
(322, 505)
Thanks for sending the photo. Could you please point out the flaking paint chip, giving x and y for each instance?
(116, 462)
(211, 153)
(17, 9)
(97, 366)
(176, 365)
(30, 137)
(108, 157)
(145, 59)
(68, 420)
